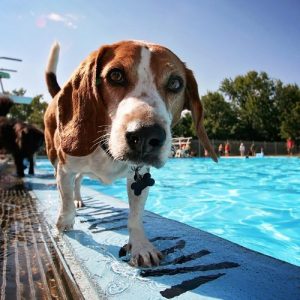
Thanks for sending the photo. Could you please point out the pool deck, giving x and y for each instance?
(197, 265)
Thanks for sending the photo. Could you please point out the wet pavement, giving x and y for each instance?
(30, 265)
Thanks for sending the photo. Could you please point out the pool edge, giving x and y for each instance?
(222, 244)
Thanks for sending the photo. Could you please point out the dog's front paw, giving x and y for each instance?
(143, 253)
(65, 222)
(79, 203)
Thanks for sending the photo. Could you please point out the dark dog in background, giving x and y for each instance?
(5, 105)
(19, 139)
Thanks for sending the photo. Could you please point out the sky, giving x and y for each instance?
(216, 38)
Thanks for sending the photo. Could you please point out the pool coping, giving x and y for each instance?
(203, 265)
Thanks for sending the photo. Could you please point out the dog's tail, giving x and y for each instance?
(51, 80)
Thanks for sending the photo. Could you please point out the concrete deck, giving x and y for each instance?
(197, 265)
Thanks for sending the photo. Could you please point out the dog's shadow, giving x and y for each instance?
(103, 217)
(87, 241)
(168, 273)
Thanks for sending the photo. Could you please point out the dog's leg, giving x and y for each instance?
(77, 196)
(65, 183)
(142, 251)
(19, 165)
(31, 165)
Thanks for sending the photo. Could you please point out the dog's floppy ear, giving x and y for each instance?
(193, 103)
(81, 112)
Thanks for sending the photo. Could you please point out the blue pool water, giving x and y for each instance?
(254, 202)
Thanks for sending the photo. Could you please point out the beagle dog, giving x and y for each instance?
(113, 117)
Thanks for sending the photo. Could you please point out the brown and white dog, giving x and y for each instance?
(113, 115)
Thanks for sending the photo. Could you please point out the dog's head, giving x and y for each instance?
(128, 96)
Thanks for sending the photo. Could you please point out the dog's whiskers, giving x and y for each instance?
(99, 143)
(102, 136)
(104, 127)
(103, 130)
(101, 140)
(118, 158)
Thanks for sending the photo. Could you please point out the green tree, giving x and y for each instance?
(20, 111)
(38, 107)
(253, 98)
(288, 104)
(290, 127)
(32, 113)
(220, 120)
(185, 127)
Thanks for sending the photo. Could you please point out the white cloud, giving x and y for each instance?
(69, 20)
(55, 17)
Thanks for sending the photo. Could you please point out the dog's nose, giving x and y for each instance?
(146, 139)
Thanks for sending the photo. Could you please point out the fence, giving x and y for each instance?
(269, 148)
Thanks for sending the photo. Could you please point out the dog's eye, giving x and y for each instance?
(175, 84)
(116, 76)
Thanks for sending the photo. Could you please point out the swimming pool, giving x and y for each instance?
(254, 202)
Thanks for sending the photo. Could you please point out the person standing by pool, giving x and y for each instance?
(227, 149)
(290, 144)
(242, 149)
(252, 151)
(220, 149)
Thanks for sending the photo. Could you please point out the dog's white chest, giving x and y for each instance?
(98, 165)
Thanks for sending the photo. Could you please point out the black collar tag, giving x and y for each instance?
(141, 182)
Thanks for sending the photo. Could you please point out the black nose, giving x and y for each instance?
(146, 139)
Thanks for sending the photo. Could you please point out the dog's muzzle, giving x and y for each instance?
(145, 143)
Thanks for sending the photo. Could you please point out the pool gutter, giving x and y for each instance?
(73, 273)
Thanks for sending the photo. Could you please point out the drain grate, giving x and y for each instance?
(30, 267)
